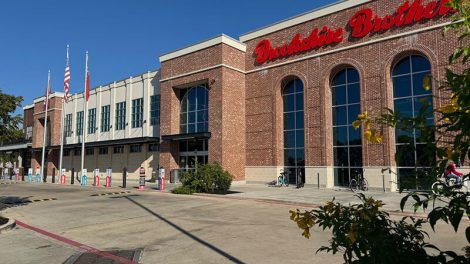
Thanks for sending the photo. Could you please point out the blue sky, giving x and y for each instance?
(124, 37)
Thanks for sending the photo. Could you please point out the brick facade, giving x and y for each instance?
(255, 100)
(226, 105)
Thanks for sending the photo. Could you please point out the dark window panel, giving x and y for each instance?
(420, 63)
(299, 86)
(341, 156)
(402, 67)
(289, 88)
(418, 88)
(340, 117)
(355, 156)
(353, 112)
(289, 157)
(340, 136)
(426, 156)
(192, 128)
(289, 121)
(355, 137)
(184, 146)
(289, 139)
(299, 101)
(339, 79)
(339, 95)
(300, 156)
(342, 176)
(354, 93)
(191, 117)
(420, 103)
(353, 75)
(406, 156)
(404, 107)
(402, 86)
(289, 103)
(300, 138)
(402, 136)
(407, 178)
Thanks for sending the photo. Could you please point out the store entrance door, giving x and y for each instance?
(193, 153)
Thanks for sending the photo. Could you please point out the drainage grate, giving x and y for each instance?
(91, 258)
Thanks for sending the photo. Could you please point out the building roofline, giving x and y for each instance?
(28, 107)
(302, 18)
(110, 83)
(42, 98)
(222, 38)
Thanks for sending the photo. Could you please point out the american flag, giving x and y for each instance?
(67, 78)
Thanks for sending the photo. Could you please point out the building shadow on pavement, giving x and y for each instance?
(195, 238)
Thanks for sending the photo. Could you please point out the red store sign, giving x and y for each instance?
(363, 23)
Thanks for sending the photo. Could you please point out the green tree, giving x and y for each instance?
(364, 233)
(9, 123)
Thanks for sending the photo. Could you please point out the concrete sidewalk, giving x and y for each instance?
(311, 196)
(307, 197)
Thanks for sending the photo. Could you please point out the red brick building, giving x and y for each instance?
(284, 96)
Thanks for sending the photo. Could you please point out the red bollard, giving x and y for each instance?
(96, 179)
(162, 183)
(108, 181)
(17, 175)
(63, 178)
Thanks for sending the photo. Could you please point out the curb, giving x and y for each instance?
(8, 226)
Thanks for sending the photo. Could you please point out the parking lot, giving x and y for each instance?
(73, 224)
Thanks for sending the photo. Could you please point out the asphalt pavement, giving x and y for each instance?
(75, 224)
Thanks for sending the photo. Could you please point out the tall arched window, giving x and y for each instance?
(409, 97)
(194, 110)
(347, 141)
(194, 118)
(294, 133)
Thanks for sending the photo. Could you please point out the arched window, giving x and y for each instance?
(294, 133)
(347, 141)
(194, 118)
(194, 110)
(409, 96)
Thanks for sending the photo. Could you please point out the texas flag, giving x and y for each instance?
(87, 89)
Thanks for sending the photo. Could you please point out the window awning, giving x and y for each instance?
(105, 143)
(15, 147)
(190, 136)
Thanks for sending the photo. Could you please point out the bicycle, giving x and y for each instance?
(281, 179)
(448, 182)
(359, 184)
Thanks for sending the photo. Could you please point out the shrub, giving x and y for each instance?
(207, 178)
(182, 190)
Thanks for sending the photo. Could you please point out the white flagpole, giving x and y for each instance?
(84, 115)
(45, 122)
(62, 125)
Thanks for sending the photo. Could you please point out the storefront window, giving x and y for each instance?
(294, 133)
(194, 110)
(409, 98)
(347, 141)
